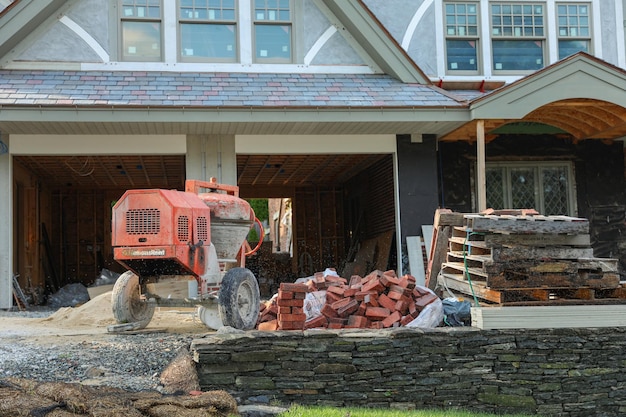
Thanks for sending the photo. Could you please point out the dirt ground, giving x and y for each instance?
(89, 322)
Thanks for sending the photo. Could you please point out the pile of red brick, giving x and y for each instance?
(379, 300)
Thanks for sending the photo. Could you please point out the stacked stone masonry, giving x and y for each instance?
(554, 372)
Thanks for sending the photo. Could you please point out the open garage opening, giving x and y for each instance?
(324, 211)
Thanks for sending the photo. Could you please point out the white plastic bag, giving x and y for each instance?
(431, 316)
(313, 304)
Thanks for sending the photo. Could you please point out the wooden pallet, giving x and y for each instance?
(531, 295)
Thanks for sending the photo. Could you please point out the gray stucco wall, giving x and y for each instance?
(60, 44)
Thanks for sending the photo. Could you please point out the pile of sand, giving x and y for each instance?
(96, 312)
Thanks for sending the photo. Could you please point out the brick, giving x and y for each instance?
(328, 311)
(349, 308)
(293, 287)
(335, 289)
(373, 302)
(273, 308)
(377, 313)
(291, 317)
(388, 280)
(268, 326)
(376, 324)
(290, 325)
(335, 326)
(340, 303)
(402, 306)
(357, 322)
(331, 297)
(267, 317)
(350, 292)
(394, 295)
(299, 295)
(334, 279)
(285, 295)
(362, 309)
(285, 310)
(422, 302)
(290, 303)
(373, 285)
(320, 283)
(393, 318)
(340, 320)
(360, 296)
(297, 310)
(319, 321)
(406, 320)
(412, 307)
(387, 302)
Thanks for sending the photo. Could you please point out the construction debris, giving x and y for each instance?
(378, 300)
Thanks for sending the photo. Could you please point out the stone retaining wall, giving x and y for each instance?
(564, 372)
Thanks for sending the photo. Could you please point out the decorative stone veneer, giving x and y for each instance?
(560, 372)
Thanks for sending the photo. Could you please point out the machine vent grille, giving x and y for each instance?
(183, 228)
(143, 221)
(203, 229)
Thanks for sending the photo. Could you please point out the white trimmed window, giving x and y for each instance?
(208, 30)
(141, 30)
(573, 28)
(518, 36)
(545, 186)
(273, 31)
(462, 37)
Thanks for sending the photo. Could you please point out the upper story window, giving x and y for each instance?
(141, 22)
(272, 30)
(517, 36)
(573, 28)
(208, 30)
(462, 37)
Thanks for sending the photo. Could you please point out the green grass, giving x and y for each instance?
(299, 411)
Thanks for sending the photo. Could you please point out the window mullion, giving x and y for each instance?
(245, 32)
(170, 31)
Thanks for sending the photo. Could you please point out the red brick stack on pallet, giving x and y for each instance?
(379, 300)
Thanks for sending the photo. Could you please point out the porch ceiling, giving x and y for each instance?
(580, 118)
(121, 172)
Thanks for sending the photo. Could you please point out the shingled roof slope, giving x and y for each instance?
(165, 89)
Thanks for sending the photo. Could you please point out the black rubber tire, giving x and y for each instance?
(239, 299)
(126, 302)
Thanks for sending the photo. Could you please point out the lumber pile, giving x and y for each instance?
(523, 258)
(378, 300)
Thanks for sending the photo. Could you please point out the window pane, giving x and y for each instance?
(555, 186)
(461, 55)
(273, 41)
(523, 188)
(141, 40)
(517, 55)
(516, 19)
(569, 47)
(494, 177)
(208, 41)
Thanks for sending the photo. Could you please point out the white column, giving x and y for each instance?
(480, 156)
(6, 225)
(211, 156)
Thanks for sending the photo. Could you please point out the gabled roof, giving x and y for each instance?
(579, 76)
(581, 95)
(21, 17)
(377, 41)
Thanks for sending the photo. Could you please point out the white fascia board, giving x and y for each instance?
(98, 144)
(314, 144)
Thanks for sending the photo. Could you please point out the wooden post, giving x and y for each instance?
(480, 155)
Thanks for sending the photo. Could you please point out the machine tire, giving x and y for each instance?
(126, 302)
(239, 299)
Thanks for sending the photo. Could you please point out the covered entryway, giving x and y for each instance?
(553, 141)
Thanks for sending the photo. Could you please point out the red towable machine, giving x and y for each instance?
(188, 243)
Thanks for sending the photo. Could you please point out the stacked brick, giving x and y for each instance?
(379, 300)
(286, 311)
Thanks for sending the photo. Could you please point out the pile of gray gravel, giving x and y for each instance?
(130, 362)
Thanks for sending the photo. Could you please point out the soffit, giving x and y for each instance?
(122, 172)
